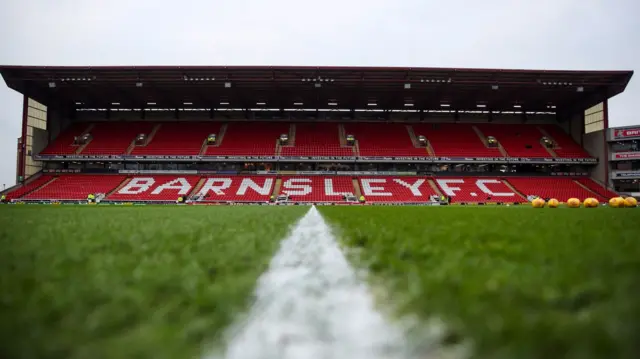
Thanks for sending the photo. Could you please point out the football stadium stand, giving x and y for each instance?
(318, 134)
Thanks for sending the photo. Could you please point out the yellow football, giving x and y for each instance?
(616, 202)
(538, 203)
(553, 203)
(630, 202)
(573, 203)
(590, 203)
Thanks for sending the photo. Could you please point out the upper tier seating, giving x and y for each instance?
(178, 138)
(477, 189)
(114, 138)
(516, 138)
(63, 144)
(597, 188)
(238, 188)
(559, 188)
(76, 187)
(567, 147)
(384, 139)
(22, 190)
(317, 139)
(316, 189)
(155, 188)
(455, 140)
(396, 189)
(249, 139)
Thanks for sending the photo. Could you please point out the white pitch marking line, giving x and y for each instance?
(311, 305)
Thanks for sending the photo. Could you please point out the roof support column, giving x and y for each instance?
(605, 118)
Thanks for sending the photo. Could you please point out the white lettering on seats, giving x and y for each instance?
(137, 185)
(368, 190)
(413, 188)
(291, 188)
(249, 183)
(481, 184)
(444, 184)
(210, 185)
(179, 183)
(328, 188)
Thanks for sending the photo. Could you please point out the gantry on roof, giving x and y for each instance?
(314, 87)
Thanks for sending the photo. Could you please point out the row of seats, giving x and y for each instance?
(308, 188)
(317, 139)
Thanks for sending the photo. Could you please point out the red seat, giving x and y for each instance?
(396, 189)
(228, 188)
(477, 189)
(518, 140)
(454, 140)
(76, 187)
(597, 188)
(566, 146)
(178, 139)
(249, 139)
(559, 188)
(317, 139)
(316, 189)
(155, 188)
(63, 144)
(384, 140)
(114, 138)
(22, 190)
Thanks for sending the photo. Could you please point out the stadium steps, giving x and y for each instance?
(356, 188)
(435, 187)
(132, 145)
(412, 134)
(276, 187)
(155, 130)
(219, 138)
(20, 185)
(203, 149)
(41, 187)
(119, 187)
(196, 189)
(278, 148)
(515, 190)
(544, 133)
(356, 149)
(595, 195)
(292, 135)
(342, 135)
(599, 187)
(483, 138)
(88, 130)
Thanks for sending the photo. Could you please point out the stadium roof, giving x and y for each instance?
(314, 87)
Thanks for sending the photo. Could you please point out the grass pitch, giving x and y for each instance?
(518, 282)
(129, 282)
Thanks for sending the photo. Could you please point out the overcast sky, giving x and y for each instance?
(538, 34)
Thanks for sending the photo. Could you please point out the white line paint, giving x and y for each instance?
(311, 305)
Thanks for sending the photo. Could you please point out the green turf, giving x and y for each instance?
(128, 282)
(520, 283)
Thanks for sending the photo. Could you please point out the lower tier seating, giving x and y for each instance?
(396, 189)
(316, 189)
(155, 188)
(76, 187)
(478, 189)
(597, 188)
(31, 186)
(253, 188)
(237, 188)
(559, 188)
